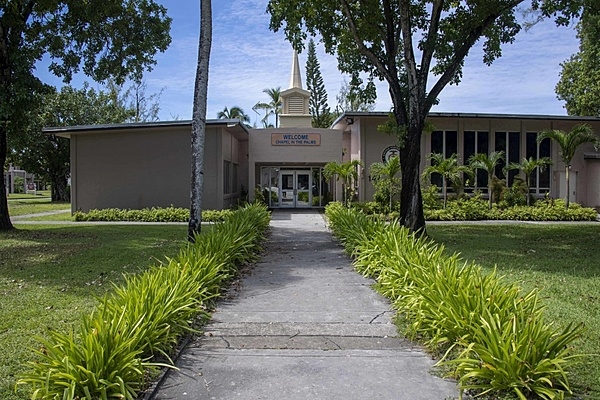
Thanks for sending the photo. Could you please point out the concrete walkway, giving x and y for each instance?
(304, 325)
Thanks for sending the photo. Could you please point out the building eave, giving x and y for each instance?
(537, 117)
(234, 125)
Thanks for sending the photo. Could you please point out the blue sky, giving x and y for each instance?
(247, 58)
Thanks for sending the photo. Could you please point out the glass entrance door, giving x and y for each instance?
(295, 189)
(303, 194)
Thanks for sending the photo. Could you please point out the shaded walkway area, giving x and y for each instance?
(304, 325)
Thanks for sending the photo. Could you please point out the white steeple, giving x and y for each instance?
(295, 112)
(295, 78)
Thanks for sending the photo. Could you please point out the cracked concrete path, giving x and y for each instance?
(304, 325)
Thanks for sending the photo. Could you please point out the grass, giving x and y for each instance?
(40, 195)
(560, 260)
(50, 275)
(23, 206)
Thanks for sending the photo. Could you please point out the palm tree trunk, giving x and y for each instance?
(199, 119)
(527, 178)
(445, 189)
(391, 193)
(568, 187)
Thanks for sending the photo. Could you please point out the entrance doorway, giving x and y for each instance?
(295, 189)
(294, 186)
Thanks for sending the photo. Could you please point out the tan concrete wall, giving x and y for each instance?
(295, 121)
(142, 167)
(593, 189)
(262, 152)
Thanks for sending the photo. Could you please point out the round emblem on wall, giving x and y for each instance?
(389, 152)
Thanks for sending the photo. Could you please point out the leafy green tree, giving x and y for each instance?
(234, 112)
(101, 38)
(199, 120)
(273, 107)
(317, 104)
(528, 166)
(569, 142)
(384, 174)
(354, 96)
(48, 156)
(347, 172)
(579, 84)
(407, 43)
(487, 163)
(448, 168)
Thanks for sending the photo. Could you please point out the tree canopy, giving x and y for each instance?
(101, 38)
(407, 43)
(273, 107)
(48, 156)
(233, 113)
(579, 84)
(356, 96)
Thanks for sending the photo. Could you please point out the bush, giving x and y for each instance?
(496, 334)
(116, 348)
(475, 208)
(431, 198)
(154, 214)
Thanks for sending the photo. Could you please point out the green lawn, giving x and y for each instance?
(18, 207)
(50, 275)
(562, 261)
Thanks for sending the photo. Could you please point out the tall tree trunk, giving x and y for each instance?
(5, 223)
(5, 89)
(199, 119)
(411, 201)
(59, 190)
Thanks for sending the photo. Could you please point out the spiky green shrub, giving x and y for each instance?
(114, 351)
(498, 333)
(349, 226)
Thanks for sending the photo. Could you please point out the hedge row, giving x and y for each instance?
(475, 208)
(154, 214)
(493, 337)
(114, 352)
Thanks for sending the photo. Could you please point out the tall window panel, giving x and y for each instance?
(475, 142)
(539, 181)
(510, 144)
(446, 143)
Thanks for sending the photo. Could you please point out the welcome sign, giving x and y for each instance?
(295, 139)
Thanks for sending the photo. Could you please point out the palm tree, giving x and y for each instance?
(568, 143)
(488, 164)
(234, 112)
(449, 169)
(387, 172)
(274, 107)
(528, 165)
(347, 172)
(199, 119)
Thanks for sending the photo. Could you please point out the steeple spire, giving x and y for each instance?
(296, 78)
(295, 112)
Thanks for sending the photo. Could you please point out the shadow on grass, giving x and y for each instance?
(83, 257)
(552, 248)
